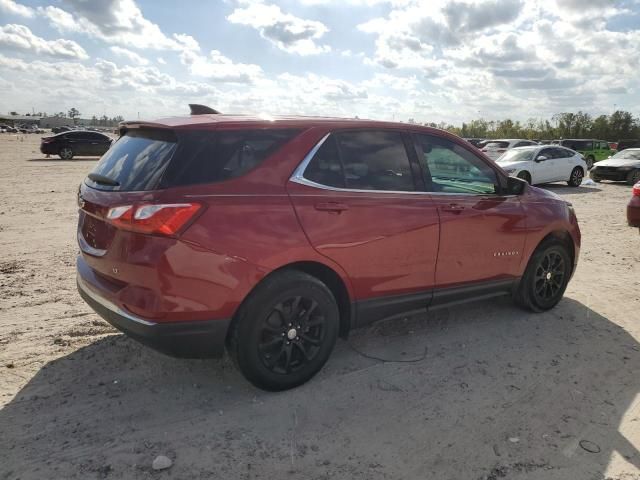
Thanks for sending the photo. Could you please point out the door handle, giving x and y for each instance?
(453, 208)
(331, 207)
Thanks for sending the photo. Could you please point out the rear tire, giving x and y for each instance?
(546, 277)
(285, 331)
(526, 176)
(66, 153)
(575, 179)
(633, 177)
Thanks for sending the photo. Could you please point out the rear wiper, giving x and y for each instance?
(96, 177)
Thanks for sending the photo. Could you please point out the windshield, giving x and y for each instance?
(628, 154)
(515, 155)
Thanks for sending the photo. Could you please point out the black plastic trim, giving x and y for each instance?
(374, 309)
(199, 339)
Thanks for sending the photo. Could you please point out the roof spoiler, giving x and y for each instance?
(202, 109)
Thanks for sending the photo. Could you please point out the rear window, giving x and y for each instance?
(136, 161)
(153, 159)
(577, 144)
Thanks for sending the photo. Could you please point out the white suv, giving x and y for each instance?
(544, 164)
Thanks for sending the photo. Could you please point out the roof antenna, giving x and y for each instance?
(201, 109)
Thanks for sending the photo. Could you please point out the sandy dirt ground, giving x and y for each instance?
(500, 393)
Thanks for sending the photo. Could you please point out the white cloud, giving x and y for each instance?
(219, 68)
(161, 61)
(118, 22)
(13, 8)
(132, 57)
(20, 37)
(288, 32)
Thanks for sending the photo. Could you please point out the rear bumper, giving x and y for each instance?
(189, 339)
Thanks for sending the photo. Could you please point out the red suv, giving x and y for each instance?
(273, 237)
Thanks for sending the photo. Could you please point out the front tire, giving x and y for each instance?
(285, 331)
(633, 177)
(575, 179)
(526, 176)
(546, 277)
(66, 153)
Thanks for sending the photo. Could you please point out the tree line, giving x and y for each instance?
(619, 125)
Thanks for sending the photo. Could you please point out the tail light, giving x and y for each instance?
(636, 190)
(159, 219)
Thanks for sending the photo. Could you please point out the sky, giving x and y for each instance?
(430, 61)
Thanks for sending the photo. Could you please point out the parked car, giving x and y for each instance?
(69, 144)
(613, 145)
(61, 129)
(592, 150)
(12, 130)
(475, 141)
(495, 148)
(274, 237)
(633, 208)
(628, 143)
(624, 166)
(544, 164)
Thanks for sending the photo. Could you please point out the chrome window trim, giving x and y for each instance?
(82, 285)
(298, 177)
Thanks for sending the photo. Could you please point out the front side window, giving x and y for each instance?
(375, 160)
(450, 168)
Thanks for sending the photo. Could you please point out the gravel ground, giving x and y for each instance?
(487, 391)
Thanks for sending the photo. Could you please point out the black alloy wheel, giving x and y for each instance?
(285, 331)
(549, 277)
(292, 335)
(546, 276)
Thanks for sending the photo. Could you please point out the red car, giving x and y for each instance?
(273, 237)
(633, 208)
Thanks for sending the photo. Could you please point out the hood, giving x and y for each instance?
(509, 165)
(540, 193)
(618, 162)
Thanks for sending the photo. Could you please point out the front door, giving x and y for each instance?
(482, 232)
(359, 204)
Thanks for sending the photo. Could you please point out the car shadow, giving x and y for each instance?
(564, 188)
(477, 391)
(58, 159)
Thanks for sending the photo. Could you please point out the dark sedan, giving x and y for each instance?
(622, 167)
(76, 143)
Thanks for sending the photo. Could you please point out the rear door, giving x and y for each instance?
(358, 200)
(98, 143)
(482, 232)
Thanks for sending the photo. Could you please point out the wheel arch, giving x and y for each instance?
(565, 238)
(327, 275)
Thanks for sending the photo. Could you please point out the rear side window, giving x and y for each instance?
(209, 157)
(136, 161)
(375, 160)
(325, 167)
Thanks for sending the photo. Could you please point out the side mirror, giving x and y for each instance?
(511, 185)
(541, 158)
